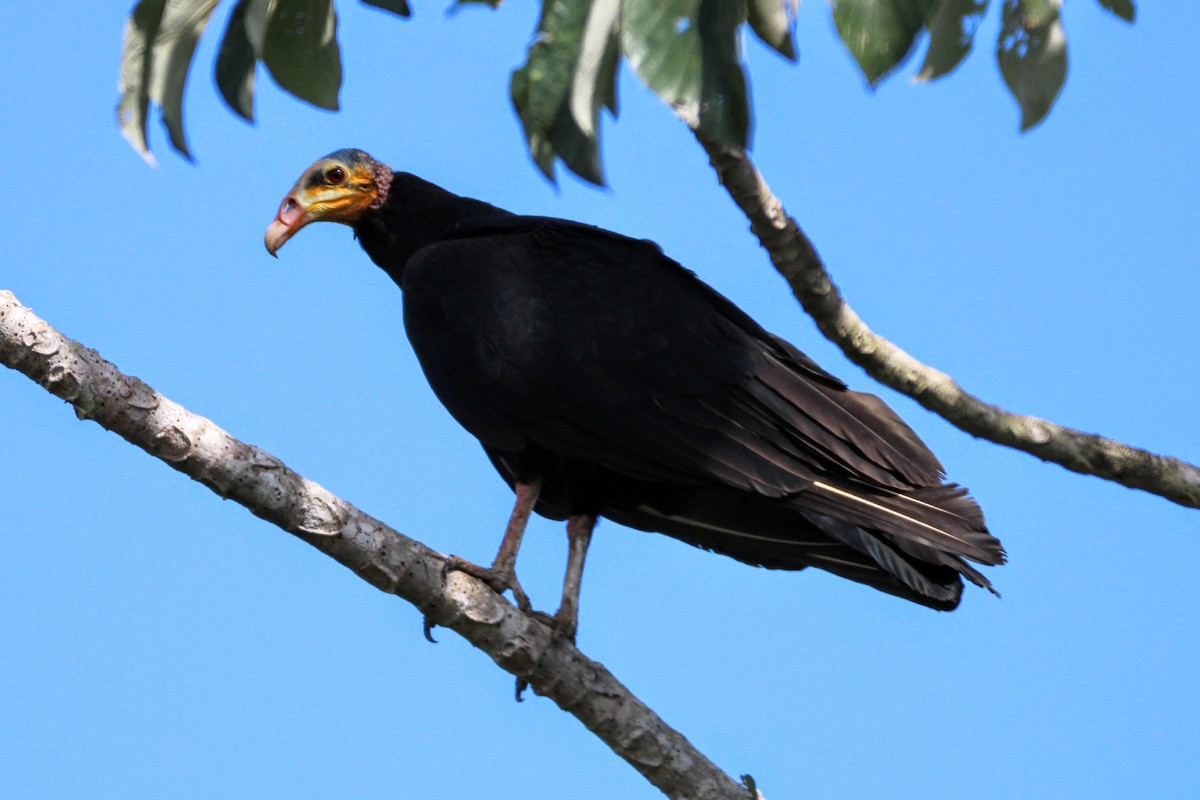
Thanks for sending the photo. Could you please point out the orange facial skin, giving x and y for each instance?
(338, 188)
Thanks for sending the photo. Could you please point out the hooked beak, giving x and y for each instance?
(292, 216)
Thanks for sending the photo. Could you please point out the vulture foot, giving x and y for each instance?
(497, 579)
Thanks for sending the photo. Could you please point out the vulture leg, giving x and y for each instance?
(503, 573)
(579, 536)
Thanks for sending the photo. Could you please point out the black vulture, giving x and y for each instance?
(603, 379)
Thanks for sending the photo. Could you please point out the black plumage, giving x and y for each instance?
(615, 383)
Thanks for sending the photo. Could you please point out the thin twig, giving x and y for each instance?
(387, 560)
(796, 259)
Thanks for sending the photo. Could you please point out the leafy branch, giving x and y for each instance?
(384, 558)
(687, 51)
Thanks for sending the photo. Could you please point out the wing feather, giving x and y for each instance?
(598, 348)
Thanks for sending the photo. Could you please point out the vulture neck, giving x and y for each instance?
(417, 214)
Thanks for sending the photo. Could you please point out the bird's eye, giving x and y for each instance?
(335, 175)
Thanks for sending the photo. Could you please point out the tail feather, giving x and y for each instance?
(909, 519)
(908, 559)
(946, 590)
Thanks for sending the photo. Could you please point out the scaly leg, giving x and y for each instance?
(503, 574)
(579, 536)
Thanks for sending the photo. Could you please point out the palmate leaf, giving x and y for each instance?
(160, 40)
(774, 22)
(134, 79)
(724, 94)
(236, 62)
(951, 29)
(297, 42)
(880, 33)
(660, 40)
(1033, 60)
(1031, 52)
(296, 39)
(1038, 13)
(687, 52)
(1122, 8)
(182, 23)
(398, 7)
(568, 76)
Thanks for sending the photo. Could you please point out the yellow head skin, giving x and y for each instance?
(338, 188)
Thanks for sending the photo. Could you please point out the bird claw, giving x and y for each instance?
(561, 628)
(497, 579)
(564, 628)
(563, 624)
(543, 617)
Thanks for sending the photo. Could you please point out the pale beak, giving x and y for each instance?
(291, 217)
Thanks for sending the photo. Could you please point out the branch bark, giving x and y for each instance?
(384, 558)
(795, 257)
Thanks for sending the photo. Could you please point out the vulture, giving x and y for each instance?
(603, 379)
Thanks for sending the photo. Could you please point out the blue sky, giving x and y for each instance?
(160, 642)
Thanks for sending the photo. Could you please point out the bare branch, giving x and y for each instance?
(387, 560)
(796, 259)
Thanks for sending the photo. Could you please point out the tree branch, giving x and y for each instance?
(796, 259)
(389, 561)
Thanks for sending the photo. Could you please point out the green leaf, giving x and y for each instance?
(594, 85)
(398, 7)
(661, 43)
(774, 22)
(724, 100)
(160, 40)
(234, 72)
(299, 47)
(1122, 8)
(687, 52)
(255, 22)
(1033, 61)
(879, 33)
(951, 33)
(134, 78)
(568, 76)
(553, 57)
(182, 24)
(1039, 13)
(537, 137)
